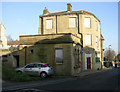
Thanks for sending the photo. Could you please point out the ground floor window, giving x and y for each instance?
(77, 56)
(97, 59)
(59, 56)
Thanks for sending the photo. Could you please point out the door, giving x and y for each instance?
(36, 69)
(88, 62)
(17, 59)
(28, 69)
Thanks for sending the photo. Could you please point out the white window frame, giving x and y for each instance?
(72, 22)
(49, 23)
(88, 40)
(87, 22)
(57, 55)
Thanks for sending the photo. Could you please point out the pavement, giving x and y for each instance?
(12, 86)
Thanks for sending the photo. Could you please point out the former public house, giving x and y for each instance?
(70, 41)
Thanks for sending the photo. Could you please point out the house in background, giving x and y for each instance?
(13, 44)
(70, 41)
(3, 38)
(8, 58)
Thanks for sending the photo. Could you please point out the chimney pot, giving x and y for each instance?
(69, 7)
(46, 8)
(45, 11)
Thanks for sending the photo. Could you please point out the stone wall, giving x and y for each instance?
(45, 53)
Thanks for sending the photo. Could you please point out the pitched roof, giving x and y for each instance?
(62, 39)
(49, 39)
(66, 13)
(13, 42)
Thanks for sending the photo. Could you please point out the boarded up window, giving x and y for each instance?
(88, 40)
(87, 22)
(49, 24)
(59, 56)
(72, 22)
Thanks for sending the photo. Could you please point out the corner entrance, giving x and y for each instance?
(88, 58)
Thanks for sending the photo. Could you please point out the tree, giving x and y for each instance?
(9, 38)
(118, 56)
(110, 54)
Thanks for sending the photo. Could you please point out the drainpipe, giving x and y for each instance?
(56, 24)
(25, 55)
(81, 42)
(41, 25)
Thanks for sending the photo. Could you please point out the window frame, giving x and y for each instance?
(86, 22)
(87, 40)
(29, 66)
(74, 24)
(62, 56)
(51, 23)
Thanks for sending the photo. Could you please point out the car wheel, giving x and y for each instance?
(43, 75)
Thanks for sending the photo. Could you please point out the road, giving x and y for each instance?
(109, 80)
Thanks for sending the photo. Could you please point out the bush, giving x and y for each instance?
(108, 64)
(10, 74)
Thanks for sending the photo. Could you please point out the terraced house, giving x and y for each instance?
(70, 41)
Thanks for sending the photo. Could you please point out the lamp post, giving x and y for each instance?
(109, 53)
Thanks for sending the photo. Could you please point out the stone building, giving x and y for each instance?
(3, 38)
(13, 44)
(70, 41)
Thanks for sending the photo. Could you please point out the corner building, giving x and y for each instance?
(70, 41)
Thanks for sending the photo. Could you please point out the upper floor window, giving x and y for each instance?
(87, 22)
(96, 23)
(49, 24)
(88, 40)
(72, 22)
(97, 41)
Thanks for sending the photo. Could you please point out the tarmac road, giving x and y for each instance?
(102, 81)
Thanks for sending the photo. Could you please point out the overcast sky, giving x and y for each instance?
(22, 18)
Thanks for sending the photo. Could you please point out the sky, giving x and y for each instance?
(22, 18)
(119, 27)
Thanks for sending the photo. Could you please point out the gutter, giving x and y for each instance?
(41, 25)
(81, 42)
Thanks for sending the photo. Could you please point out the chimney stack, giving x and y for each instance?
(45, 11)
(69, 7)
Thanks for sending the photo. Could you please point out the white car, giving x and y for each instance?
(37, 69)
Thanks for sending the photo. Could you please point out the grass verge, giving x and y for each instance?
(9, 74)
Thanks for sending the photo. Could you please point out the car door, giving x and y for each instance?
(28, 69)
(36, 69)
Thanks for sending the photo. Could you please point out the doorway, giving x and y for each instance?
(88, 58)
(17, 59)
